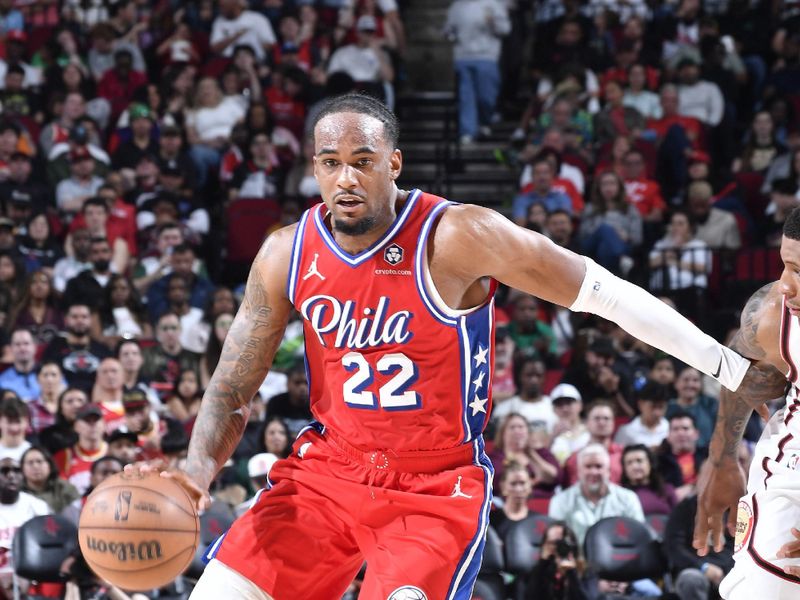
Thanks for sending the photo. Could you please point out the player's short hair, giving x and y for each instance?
(791, 228)
(365, 105)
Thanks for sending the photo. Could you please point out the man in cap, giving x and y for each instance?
(141, 140)
(8, 242)
(172, 151)
(122, 444)
(365, 61)
(697, 97)
(569, 433)
(75, 463)
(82, 183)
(119, 83)
(143, 421)
(16, 50)
(22, 193)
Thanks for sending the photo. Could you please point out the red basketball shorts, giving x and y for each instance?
(418, 520)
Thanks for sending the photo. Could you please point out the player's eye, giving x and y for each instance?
(329, 162)
(364, 162)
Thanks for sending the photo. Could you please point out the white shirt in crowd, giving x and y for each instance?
(534, 412)
(258, 32)
(637, 432)
(216, 122)
(12, 517)
(362, 64)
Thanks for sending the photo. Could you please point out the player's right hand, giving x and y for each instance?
(719, 488)
(197, 493)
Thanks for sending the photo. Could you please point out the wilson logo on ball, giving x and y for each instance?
(123, 506)
(126, 551)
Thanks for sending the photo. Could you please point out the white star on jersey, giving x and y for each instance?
(480, 357)
(478, 405)
(478, 381)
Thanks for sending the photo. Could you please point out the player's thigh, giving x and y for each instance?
(433, 546)
(295, 541)
(220, 581)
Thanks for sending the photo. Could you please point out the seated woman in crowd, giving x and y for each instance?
(639, 475)
(516, 441)
(41, 479)
(43, 410)
(679, 260)
(61, 434)
(184, 402)
(37, 309)
(515, 489)
(121, 314)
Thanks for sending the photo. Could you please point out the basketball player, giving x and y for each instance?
(766, 551)
(395, 290)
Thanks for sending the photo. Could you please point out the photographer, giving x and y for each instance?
(560, 573)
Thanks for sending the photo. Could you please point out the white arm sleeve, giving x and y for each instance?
(644, 316)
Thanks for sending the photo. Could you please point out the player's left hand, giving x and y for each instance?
(791, 550)
(719, 489)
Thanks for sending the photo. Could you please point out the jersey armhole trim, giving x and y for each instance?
(425, 285)
(786, 327)
(294, 259)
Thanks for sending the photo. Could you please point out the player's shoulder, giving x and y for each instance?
(765, 303)
(469, 220)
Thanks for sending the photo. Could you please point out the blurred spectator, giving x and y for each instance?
(293, 405)
(119, 83)
(99, 470)
(529, 402)
(696, 577)
(569, 433)
(503, 386)
(275, 438)
(600, 373)
(594, 496)
(141, 140)
(184, 401)
(23, 193)
(129, 354)
(784, 166)
(715, 227)
(75, 462)
(120, 314)
(679, 260)
(76, 353)
(20, 377)
(697, 97)
(97, 215)
(190, 316)
(641, 191)
(639, 474)
(519, 442)
(542, 192)
(14, 421)
(68, 267)
(559, 228)
(783, 198)
(156, 264)
(611, 227)
(663, 370)
(476, 28)
(16, 507)
(107, 392)
(515, 491)
(41, 480)
(649, 428)
(143, 421)
(38, 246)
(560, 573)
(61, 434)
(761, 146)
(182, 262)
(600, 425)
(690, 398)
(43, 410)
(164, 361)
(531, 335)
(616, 118)
(104, 44)
(235, 26)
(123, 444)
(637, 95)
(679, 457)
(82, 184)
(368, 63)
(213, 351)
(89, 287)
(262, 176)
(37, 310)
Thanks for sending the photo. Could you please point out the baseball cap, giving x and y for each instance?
(171, 168)
(21, 198)
(89, 410)
(137, 110)
(366, 23)
(6, 223)
(119, 434)
(79, 153)
(260, 464)
(699, 156)
(134, 399)
(565, 390)
(17, 36)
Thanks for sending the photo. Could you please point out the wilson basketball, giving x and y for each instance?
(138, 532)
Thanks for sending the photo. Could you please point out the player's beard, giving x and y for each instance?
(360, 227)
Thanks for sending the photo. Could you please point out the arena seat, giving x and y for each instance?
(623, 549)
(523, 543)
(658, 523)
(41, 545)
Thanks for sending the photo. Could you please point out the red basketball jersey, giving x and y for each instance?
(389, 365)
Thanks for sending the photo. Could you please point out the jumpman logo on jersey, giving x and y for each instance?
(457, 493)
(312, 270)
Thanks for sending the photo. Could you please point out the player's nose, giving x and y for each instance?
(347, 177)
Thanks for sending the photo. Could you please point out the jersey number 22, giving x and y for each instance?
(392, 395)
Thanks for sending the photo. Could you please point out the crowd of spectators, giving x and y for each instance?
(660, 138)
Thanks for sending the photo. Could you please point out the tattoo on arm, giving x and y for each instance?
(763, 382)
(249, 347)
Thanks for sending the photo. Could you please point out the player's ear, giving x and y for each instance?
(395, 163)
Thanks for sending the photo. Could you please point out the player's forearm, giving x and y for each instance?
(246, 356)
(732, 417)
